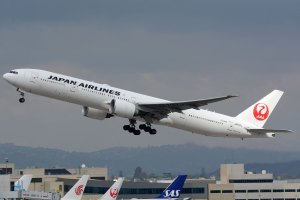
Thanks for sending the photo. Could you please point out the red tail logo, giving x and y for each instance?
(114, 192)
(79, 190)
(261, 111)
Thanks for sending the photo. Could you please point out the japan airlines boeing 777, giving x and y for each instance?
(102, 101)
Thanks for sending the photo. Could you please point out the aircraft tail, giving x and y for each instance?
(174, 189)
(23, 183)
(113, 191)
(76, 192)
(258, 113)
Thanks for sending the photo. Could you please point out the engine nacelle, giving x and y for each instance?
(122, 108)
(270, 135)
(94, 113)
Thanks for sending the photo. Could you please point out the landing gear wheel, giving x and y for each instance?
(126, 127)
(22, 100)
(142, 126)
(152, 132)
(136, 132)
(131, 130)
(147, 129)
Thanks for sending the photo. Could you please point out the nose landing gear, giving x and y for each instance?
(22, 100)
(22, 94)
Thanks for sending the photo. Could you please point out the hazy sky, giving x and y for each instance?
(177, 50)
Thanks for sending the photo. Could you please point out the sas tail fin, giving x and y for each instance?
(76, 192)
(23, 183)
(258, 113)
(174, 189)
(113, 191)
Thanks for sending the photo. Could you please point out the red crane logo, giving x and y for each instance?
(261, 111)
(79, 190)
(114, 192)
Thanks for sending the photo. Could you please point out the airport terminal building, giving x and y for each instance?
(61, 180)
(234, 184)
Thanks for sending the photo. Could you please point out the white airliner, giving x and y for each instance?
(102, 101)
(113, 192)
(76, 192)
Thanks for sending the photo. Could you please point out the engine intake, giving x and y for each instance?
(122, 109)
(94, 113)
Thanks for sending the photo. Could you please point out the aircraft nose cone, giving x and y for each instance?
(5, 76)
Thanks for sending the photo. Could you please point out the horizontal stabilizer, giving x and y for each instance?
(264, 131)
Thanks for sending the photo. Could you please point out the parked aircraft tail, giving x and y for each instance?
(258, 113)
(113, 191)
(23, 183)
(174, 189)
(76, 192)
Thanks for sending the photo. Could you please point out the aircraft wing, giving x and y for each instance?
(264, 131)
(179, 106)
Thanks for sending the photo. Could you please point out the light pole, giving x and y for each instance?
(6, 161)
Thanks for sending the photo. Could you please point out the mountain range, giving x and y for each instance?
(188, 158)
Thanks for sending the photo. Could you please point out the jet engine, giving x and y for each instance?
(122, 109)
(270, 135)
(94, 113)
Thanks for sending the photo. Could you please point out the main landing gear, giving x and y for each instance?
(145, 127)
(22, 99)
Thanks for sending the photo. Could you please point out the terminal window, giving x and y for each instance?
(290, 190)
(278, 190)
(265, 190)
(215, 191)
(226, 191)
(252, 191)
(240, 191)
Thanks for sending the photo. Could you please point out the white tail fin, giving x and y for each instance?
(23, 183)
(258, 113)
(76, 192)
(113, 191)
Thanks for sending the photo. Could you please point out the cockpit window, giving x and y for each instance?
(13, 72)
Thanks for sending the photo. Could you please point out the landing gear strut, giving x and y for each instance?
(131, 127)
(22, 99)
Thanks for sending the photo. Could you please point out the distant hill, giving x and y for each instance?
(189, 158)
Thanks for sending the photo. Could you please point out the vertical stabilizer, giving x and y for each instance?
(76, 192)
(23, 183)
(174, 189)
(258, 113)
(113, 191)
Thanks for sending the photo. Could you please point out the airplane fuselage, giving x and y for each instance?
(99, 96)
